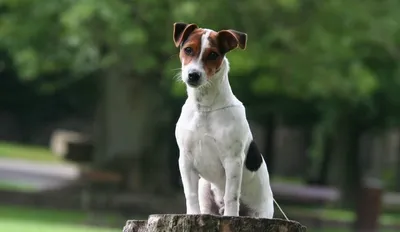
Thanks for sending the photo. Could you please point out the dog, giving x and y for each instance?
(222, 170)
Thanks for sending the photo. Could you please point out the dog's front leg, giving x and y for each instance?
(190, 181)
(233, 171)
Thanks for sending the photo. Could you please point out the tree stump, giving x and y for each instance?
(210, 223)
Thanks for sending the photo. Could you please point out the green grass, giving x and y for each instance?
(27, 152)
(17, 219)
(340, 214)
(12, 186)
(340, 230)
(27, 226)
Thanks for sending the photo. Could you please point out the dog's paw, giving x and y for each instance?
(222, 212)
(227, 212)
(193, 211)
(193, 208)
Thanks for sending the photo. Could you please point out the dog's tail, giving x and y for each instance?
(280, 209)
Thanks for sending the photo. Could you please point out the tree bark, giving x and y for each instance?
(269, 142)
(130, 131)
(210, 223)
(323, 173)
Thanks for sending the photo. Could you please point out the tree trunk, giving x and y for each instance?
(344, 166)
(269, 143)
(323, 173)
(210, 223)
(289, 145)
(397, 187)
(131, 126)
(352, 170)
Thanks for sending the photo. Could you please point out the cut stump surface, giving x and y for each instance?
(210, 223)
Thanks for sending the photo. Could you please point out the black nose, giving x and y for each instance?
(194, 77)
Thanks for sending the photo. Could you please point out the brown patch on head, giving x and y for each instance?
(190, 38)
(220, 43)
(191, 47)
(212, 56)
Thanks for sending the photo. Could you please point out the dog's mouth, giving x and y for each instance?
(193, 85)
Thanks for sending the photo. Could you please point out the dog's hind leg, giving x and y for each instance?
(206, 198)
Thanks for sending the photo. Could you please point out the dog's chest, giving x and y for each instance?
(202, 140)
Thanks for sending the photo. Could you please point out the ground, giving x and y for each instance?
(32, 168)
(17, 219)
(27, 168)
(31, 153)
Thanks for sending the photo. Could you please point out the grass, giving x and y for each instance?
(27, 152)
(37, 226)
(340, 215)
(20, 187)
(16, 219)
(340, 230)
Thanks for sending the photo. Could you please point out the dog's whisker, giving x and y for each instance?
(171, 56)
(178, 77)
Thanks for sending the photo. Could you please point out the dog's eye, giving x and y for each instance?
(212, 56)
(188, 50)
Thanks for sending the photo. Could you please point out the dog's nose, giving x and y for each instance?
(194, 77)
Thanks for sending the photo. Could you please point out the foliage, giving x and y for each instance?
(319, 62)
(299, 49)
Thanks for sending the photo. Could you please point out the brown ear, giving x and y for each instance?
(182, 32)
(231, 39)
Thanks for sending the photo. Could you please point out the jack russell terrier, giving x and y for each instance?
(222, 170)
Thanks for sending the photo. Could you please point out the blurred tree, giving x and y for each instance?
(330, 65)
(119, 42)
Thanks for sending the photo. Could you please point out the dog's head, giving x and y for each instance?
(202, 51)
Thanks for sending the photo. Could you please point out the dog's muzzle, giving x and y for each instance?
(194, 78)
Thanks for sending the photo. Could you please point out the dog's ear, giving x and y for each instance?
(231, 39)
(182, 32)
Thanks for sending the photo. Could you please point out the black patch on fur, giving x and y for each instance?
(214, 208)
(244, 211)
(253, 158)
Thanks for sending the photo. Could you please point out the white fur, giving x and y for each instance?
(213, 136)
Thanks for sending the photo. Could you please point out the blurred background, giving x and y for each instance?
(88, 106)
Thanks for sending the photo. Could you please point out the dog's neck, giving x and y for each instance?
(217, 94)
